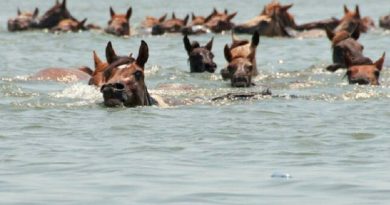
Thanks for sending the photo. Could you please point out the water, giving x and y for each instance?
(58, 145)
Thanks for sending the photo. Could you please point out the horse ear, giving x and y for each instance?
(143, 54)
(187, 44)
(231, 16)
(329, 33)
(63, 5)
(226, 11)
(379, 63)
(214, 11)
(128, 13)
(36, 12)
(186, 19)
(110, 53)
(98, 62)
(286, 7)
(112, 12)
(173, 15)
(162, 18)
(82, 23)
(228, 54)
(193, 16)
(19, 12)
(209, 45)
(357, 11)
(255, 39)
(346, 10)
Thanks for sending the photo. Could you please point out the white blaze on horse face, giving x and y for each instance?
(121, 67)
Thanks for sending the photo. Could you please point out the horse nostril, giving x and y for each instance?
(119, 86)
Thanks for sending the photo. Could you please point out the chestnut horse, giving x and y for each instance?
(125, 84)
(119, 24)
(23, 21)
(366, 74)
(241, 58)
(200, 57)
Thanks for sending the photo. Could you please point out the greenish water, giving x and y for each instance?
(58, 145)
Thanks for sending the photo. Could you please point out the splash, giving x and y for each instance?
(79, 91)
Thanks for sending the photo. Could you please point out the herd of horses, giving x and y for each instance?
(121, 79)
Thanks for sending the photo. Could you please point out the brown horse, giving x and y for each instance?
(218, 22)
(241, 58)
(173, 25)
(23, 21)
(119, 24)
(63, 74)
(345, 43)
(53, 16)
(366, 74)
(70, 25)
(200, 57)
(126, 80)
(384, 22)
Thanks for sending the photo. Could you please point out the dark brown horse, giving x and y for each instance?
(200, 57)
(173, 25)
(273, 21)
(241, 58)
(70, 25)
(366, 74)
(126, 80)
(384, 22)
(24, 21)
(345, 43)
(119, 24)
(53, 16)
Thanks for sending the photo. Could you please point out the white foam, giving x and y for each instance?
(79, 91)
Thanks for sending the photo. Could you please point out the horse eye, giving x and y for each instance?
(138, 75)
(250, 68)
(376, 73)
(348, 73)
